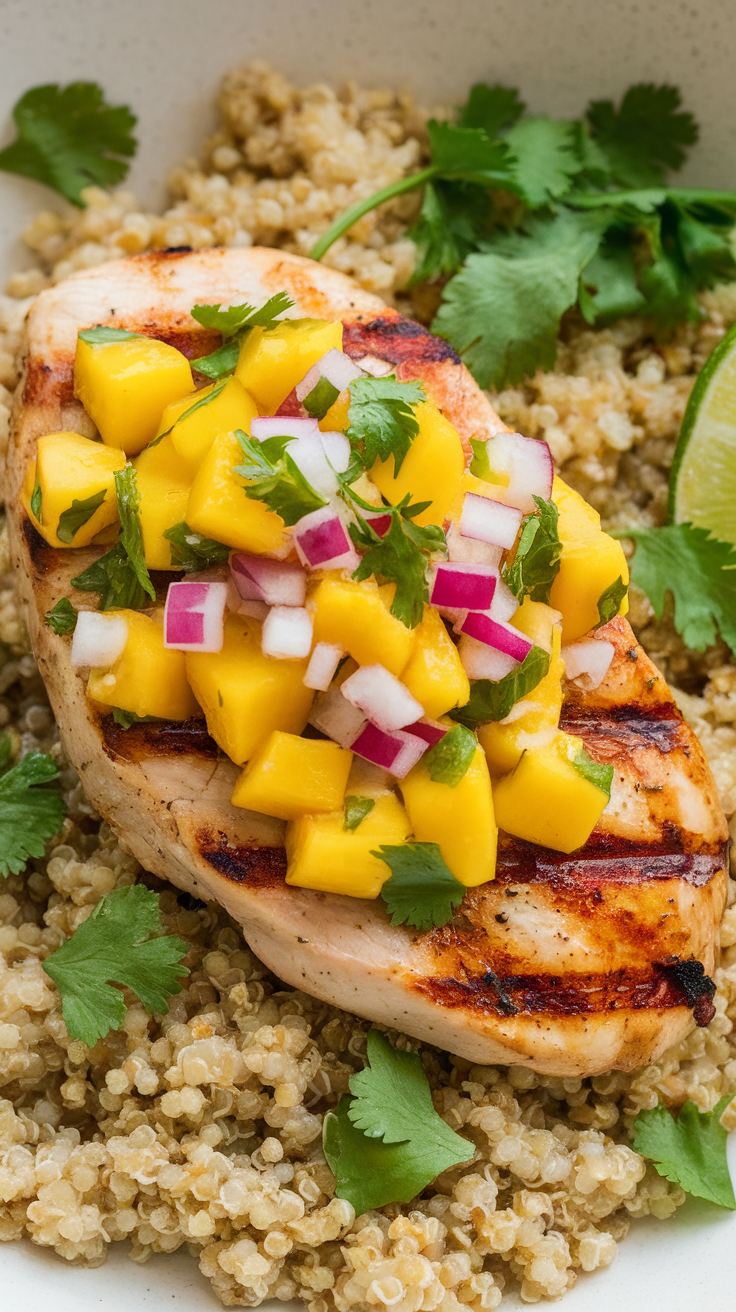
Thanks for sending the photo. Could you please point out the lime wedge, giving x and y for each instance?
(703, 474)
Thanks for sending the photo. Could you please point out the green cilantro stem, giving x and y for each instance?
(362, 207)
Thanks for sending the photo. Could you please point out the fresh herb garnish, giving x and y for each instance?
(698, 570)
(116, 943)
(62, 617)
(125, 719)
(69, 138)
(421, 891)
(689, 1151)
(198, 404)
(190, 551)
(493, 701)
(380, 418)
(400, 556)
(593, 771)
(449, 760)
(356, 810)
(322, 396)
(609, 602)
(275, 478)
(537, 560)
(235, 322)
(102, 336)
(387, 1142)
(78, 514)
(30, 813)
(121, 576)
(37, 497)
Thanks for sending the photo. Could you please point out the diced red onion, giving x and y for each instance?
(98, 638)
(322, 666)
(322, 541)
(397, 752)
(431, 731)
(384, 698)
(587, 662)
(504, 637)
(370, 364)
(277, 582)
(336, 367)
(336, 717)
(471, 551)
(528, 464)
(482, 662)
(287, 633)
(194, 616)
(266, 426)
(380, 523)
(463, 587)
(504, 603)
(489, 520)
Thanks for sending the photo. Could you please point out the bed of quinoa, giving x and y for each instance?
(203, 1127)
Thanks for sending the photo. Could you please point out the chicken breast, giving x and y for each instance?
(572, 965)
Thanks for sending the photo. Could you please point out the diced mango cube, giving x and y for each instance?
(323, 855)
(546, 800)
(538, 713)
(356, 617)
(124, 386)
(292, 776)
(431, 470)
(435, 674)
(246, 695)
(195, 421)
(537, 621)
(459, 819)
(219, 508)
(336, 419)
(147, 678)
(164, 491)
(70, 469)
(590, 562)
(273, 360)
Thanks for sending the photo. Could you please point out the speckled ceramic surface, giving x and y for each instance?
(164, 58)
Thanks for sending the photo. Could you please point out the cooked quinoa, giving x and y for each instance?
(204, 1126)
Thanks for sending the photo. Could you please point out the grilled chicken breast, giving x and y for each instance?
(570, 964)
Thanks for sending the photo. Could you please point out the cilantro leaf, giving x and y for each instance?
(644, 136)
(467, 153)
(609, 602)
(545, 158)
(491, 108)
(452, 220)
(101, 336)
(689, 1151)
(356, 810)
(37, 497)
(62, 617)
(609, 286)
(124, 719)
(115, 944)
(131, 536)
(322, 396)
(192, 409)
(698, 570)
(368, 1172)
(115, 580)
(69, 137)
(493, 701)
(399, 557)
(30, 813)
(235, 322)
(421, 891)
(381, 421)
(190, 550)
(219, 362)
(594, 771)
(275, 478)
(537, 560)
(448, 761)
(78, 514)
(480, 464)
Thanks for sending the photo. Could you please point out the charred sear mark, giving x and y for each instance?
(553, 995)
(157, 738)
(622, 729)
(506, 1006)
(394, 338)
(254, 867)
(604, 860)
(43, 557)
(698, 989)
(42, 385)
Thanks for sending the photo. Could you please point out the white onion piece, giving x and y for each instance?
(397, 752)
(527, 462)
(471, 551)
(287, 633)
(385, 700)
(322, 541)
(309, 456)
(337, 449)
(587, 662)
(463, 587)
(482, 662)
(431, 731)
(194, 616)
(98, 639)
(336, 717)
(504, 603)
(336, 367)
(277, 582)
(322, 666)
(489, 520)
(265, 426)
(370, 364)
(504, 637)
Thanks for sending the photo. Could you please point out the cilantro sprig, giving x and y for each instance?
(30, 811)
(190, 550)
(537, 560)
(119, 943)
(235, 322)
(274, 477)
(698, 571)
(62, 618)
(77, 515)
(386, 1142)
(421, 891)
(381, 422)
(493, 700)
(400, 556)
(121, 576)
(690, 1150)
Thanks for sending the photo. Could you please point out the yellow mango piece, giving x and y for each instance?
(546, 800)
(431, 470)
(196, 421)
(537, 714)
(147, 678)
(164, 492)
(273, 360)
(124, 387)
(336, 419)
(322, 855)
(292, 776)
(459, 819)
(219, 508)
(589, 563)
(356, 616)
(69, 468)
(246, 695)
(435, 674)
(537, 621)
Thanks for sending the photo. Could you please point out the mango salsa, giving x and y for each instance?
(293, 776)
(590, 562)
(246, 695)
(432, 469)
(164, 493)
(459, 819)
(68, 470)
(148, 678)
(219, 508)
(322, 855)
(273, 360)
(195, 421)
(125, 385)
(546, 800)
(356, 617)
(435, 675)
(503, 744)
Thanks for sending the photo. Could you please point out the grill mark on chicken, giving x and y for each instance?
(168, 738)
(43, 557)
(555, 995)
(606, 859)
(626, 727)
(258, 867)
(393, 338)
